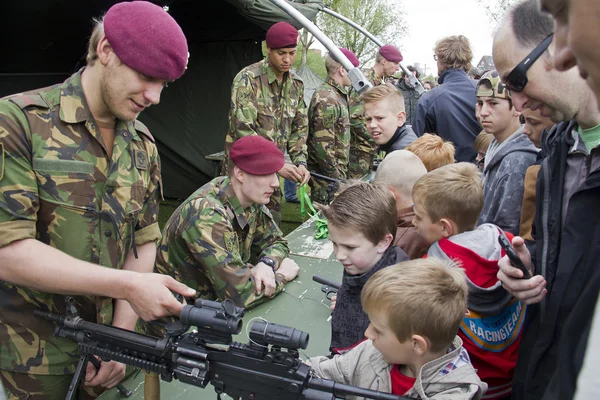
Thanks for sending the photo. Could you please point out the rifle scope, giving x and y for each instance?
(223, 318)
(265, 333)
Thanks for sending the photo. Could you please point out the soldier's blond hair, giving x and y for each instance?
(386, 92)
(454, 192)
(426, 296)
(400, 160)
(434, 151)
(455, 52)
(366, 208)
(97, 34)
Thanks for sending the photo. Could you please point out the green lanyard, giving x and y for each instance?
(321, 225)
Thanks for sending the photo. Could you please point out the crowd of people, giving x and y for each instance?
(429, 306)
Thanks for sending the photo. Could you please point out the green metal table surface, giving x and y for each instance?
(301, 305)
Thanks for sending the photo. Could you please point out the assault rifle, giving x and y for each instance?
(267, 367)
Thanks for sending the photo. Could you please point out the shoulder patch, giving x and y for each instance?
(24, 100)
(141, 128)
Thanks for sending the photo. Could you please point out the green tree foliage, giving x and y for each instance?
(495, 9)
(313, 58)
(382, 18)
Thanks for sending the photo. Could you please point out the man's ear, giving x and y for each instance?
(420, 344)
(239, 174)
(104, 51)
(449, 227)
(401, 118)
(384, 243)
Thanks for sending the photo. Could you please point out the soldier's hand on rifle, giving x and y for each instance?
(288, 270)
(305, 174)
(151, 297)
(109, 375)
(264, 277)
(290, 172)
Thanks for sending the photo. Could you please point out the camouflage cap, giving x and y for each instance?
(497, 90)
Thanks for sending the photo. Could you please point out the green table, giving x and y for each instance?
(302, 305)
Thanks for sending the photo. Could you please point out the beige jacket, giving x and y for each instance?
(450, 377)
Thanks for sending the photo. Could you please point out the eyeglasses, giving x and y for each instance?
(517, 79)
(435, 57)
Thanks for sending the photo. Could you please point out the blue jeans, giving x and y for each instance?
(289, 190)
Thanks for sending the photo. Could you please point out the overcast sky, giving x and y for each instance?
(430, 20)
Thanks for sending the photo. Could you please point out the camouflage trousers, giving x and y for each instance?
(275, 206)
(359, 163)
(322, 191)
(23, 386)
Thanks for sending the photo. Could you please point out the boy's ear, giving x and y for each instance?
(420, 345)
(449, 228)
(385, 243)
(401, 118)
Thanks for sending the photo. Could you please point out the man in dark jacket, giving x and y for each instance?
(386, 119)
(565, 253)
(449, 109)
(410, 94)
(507, 158)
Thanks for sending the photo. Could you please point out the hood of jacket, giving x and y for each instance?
(518, 141)
(477, 249)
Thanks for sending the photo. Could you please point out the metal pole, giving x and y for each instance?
(359, 82)
(412, 79)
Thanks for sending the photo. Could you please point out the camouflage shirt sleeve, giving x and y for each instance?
(323, 119)
(19, 201)
(215, 248)
(268, 238)
(358, 125)
(243, 114)
(147, 229)
(297, 141)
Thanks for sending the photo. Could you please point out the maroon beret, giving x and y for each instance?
(256, 155)
(391, 53)
(282, 35)
(350, 56)
(146, 38)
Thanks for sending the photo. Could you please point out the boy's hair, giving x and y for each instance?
(455, 52)
(97, 34)
(366, 208)
(453, 191)
(482, 141)
(426, 296)
(400, 160)
(434, 151)
(388, 92)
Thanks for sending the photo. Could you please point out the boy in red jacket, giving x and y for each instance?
(447, 203)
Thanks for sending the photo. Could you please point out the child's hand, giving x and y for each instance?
(333, 300)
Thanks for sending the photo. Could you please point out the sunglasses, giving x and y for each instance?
(517, 79)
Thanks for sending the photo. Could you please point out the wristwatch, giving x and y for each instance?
(266, 260)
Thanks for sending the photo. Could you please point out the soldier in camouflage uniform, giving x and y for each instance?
(267, 99)
(79, 193)
(222, 240)
(329, 129)
(362, 146)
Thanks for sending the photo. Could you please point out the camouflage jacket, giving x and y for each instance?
(372, 77)
(360, 139)
(260, 105)
(210, 243)
(59, 186)
(329, 130)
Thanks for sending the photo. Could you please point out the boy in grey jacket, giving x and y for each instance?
(415, 308)
(507, 158)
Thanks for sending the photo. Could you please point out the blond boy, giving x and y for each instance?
(447, 203)
(385, 118)
(434, 151)
(401, 185)
(362, 225)
(415, 309)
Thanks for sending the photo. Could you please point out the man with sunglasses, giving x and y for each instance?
(565, 254)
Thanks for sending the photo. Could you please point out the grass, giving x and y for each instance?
(290, 214)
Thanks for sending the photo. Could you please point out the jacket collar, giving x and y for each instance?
(74, 108)
(271, 76)
(337, 86)
(399, 131)
(452, 74)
